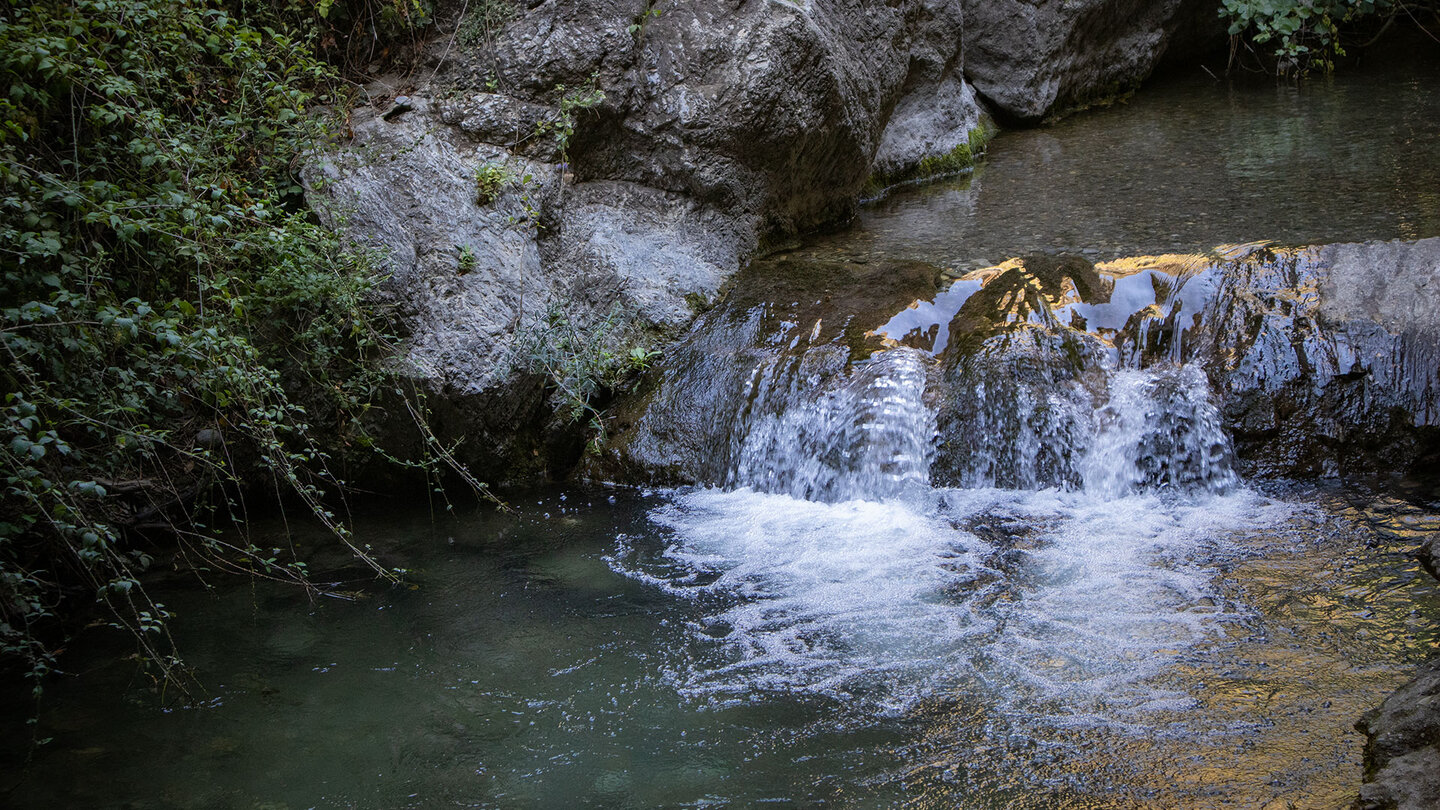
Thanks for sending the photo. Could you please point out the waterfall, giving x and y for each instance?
(872, 434)
(979, 500)
(869, 436)
(1141, 430)
(1159, 430)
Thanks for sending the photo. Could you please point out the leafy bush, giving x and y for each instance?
(1306, 34)
(582, 362)
(490, 180)
(172, 319)
(483, 21)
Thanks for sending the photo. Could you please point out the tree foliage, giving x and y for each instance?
(170, 317)
(1305, 34)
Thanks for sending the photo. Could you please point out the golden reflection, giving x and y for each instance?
(1267, 711)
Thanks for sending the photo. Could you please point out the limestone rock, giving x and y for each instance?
(1402, 750)
(704, 129)
(1034, 58)
(647, 151)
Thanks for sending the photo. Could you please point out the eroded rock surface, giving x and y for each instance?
(1328, 359)
(1402, 753)
(1033, 58)
(638, 156)
(1306, 375)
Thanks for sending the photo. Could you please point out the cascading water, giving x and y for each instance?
(871, 436)
(1159, 430)
(829, 562)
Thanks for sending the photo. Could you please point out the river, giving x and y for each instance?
(827, 626)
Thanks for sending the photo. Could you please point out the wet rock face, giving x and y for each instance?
(787, 338)
(1402, 751)
(1033, 58)
(1296, 362)
(1325, 361)
(1328, 359)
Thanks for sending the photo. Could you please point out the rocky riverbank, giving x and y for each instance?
(562, 189)
(600, 170)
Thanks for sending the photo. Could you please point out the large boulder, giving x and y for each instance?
(1035, 58)
(483, 280)
(774, 110)
(1402, 749)
(582, 177)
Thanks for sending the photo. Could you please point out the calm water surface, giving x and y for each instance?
(990, 648)
(1184, 166)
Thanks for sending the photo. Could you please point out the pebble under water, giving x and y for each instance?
(824, 626)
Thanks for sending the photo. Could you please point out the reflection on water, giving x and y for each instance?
(987, 649)
(1185, 165)
(1103, 298)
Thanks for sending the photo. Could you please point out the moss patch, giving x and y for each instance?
(960, 159)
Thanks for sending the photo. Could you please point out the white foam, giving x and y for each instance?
(1066, 607)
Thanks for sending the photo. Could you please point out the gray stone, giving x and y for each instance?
(471, 279)
(937, 107)
(929, 123)
(1393, 284)
(1402, 749)
(1035, 58)
(721, 125)
(658, 251)
(505, 121)
(1328, 358)
(407, 190)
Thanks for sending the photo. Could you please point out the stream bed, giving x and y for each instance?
(823, 625)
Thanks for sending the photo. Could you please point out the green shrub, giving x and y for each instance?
(490, 180)
(1306, 34)
(172, 319)
(583, 361)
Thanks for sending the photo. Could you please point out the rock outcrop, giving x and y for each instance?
(1328, 359)
(1035, 58)
(606, 166)
(632, 158)
(1323, 361)
(1402, 751)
